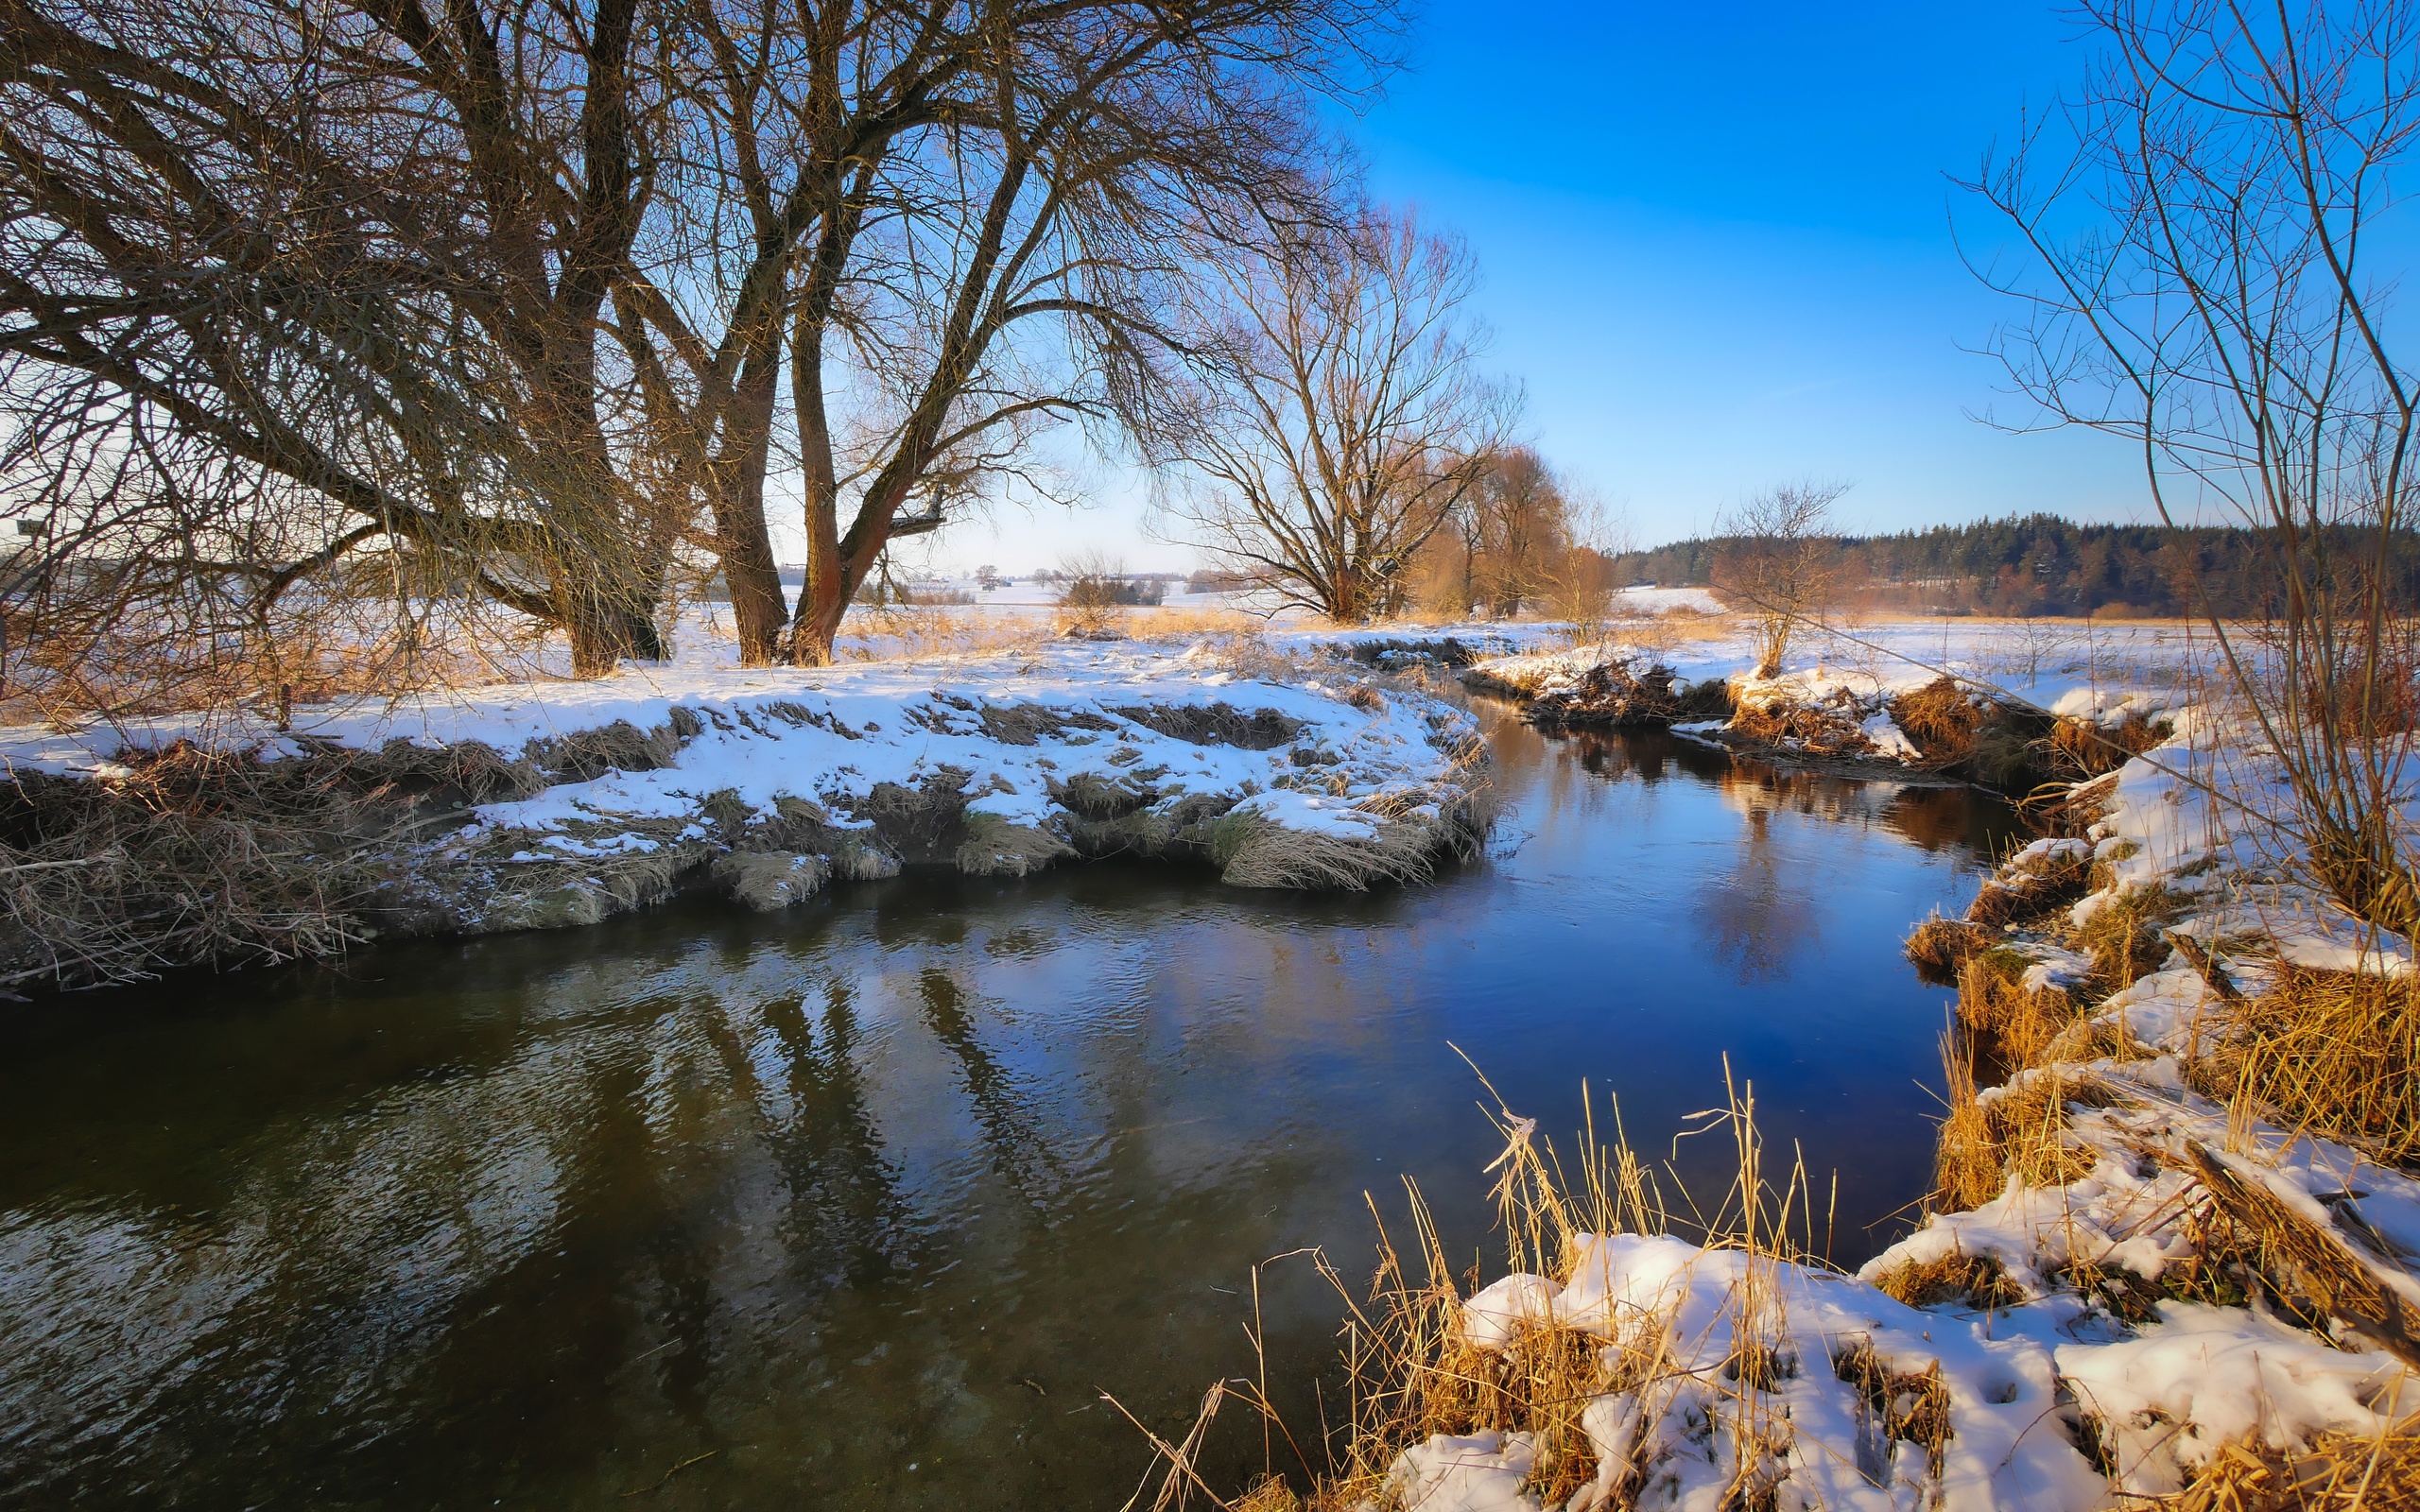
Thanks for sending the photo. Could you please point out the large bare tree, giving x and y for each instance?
(513, 292)
(2201, 246)
(332, 277)
(1338, 416)
(957, 224)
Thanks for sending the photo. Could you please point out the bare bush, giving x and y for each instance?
(1782, 568)
(2222, 311)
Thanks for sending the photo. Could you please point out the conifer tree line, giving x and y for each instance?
(2035, 564)
(558, 306)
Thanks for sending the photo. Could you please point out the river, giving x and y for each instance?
(865, 1204)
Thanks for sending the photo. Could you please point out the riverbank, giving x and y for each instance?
(2168, 1255)
(2005, 706)
(546, 805)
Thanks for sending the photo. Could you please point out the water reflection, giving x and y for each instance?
(903, 1177)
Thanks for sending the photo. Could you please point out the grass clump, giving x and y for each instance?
(2087, 750)
(2018, 1130)
(1939, 947)
(1994, 999)
(1940, 719)
(1904, 1406)
(188, 855)
(2339, 1472)
(2125, 934)
(2336, 1052)
(1978, 1281)
(1419, 1365)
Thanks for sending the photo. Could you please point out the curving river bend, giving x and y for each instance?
(862, 1205)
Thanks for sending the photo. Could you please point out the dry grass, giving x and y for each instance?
(1412, 1371)
(1910, 1406)
(2084, 751)
(1994, 999)
(2305, 1271)
(188, 855)
(1942, 719)
(2017, 1130)
(2336, 1472)
(2126, 936)
(341, 650)
(1939, 947)
(1820, 730)
(2336, 1052)
(2033, 897)
(1978, 1281)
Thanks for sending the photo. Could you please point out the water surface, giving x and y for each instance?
(864, 1205)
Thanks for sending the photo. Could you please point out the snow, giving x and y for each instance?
(1689, 1309)
(2207, 1377)
(1481, 1472)
(2167, 1392)
(1017, 734)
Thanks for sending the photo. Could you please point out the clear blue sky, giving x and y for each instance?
(1715, 247)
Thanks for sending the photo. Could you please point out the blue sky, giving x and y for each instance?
(1716, 249)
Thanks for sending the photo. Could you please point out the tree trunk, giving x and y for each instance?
(741, 538)
(605, 629)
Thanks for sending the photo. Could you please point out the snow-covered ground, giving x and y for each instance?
(1279, 773)
(1852, 673)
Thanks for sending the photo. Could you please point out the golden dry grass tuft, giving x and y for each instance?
(1412, 1371)
(2336, 1472)
(2336, 1052)
(2019, 1131)
(1992, 1000)
(2126, 933)
(1908, 1405)
(1942, 720)
(1939, 947)
(2087, 750)
(1968, 1281)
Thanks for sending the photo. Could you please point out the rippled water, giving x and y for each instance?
(865, 1204)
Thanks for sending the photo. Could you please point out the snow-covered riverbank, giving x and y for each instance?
(537, 804)
(2141, 1277)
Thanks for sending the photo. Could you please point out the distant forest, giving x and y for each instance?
(2037, 564)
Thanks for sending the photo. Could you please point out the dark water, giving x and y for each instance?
(865, 1204)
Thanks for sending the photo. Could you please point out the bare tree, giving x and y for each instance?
(1337, 417)
(1781, 568)
(509, 293)
(1012, 264)
(2198, 233)
(1578, 581)
(299, 281)
(1520, 531)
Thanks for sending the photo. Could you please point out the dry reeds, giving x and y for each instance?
(2126, 933)
(1818, 729)
(187, 855)
(1942, 719)
(1978, 1281)
(2334, 1052)
(2336, 1472)
(2017, 1130)
(1939, 947)
(2084, 751)
(2032, 894)
(1994, 999)
(1551, 1387)
(1966, 1163)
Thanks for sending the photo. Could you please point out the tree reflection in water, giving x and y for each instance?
(906, 1174)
